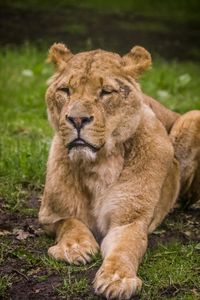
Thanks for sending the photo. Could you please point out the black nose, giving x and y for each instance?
(79, 122)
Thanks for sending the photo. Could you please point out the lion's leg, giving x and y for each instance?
(122, 248)
(185, 136)
(75, 242)
(126, 213)
(168, 197)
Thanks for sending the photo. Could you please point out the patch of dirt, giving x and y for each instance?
(10, 221)
(167, 231)
(33, 202)
(172, 290)
(87, 29)
(31, 289)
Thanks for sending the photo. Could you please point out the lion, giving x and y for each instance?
(118, 162)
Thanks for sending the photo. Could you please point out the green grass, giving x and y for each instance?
(25, 140)
(174, 84)
(59, 266)
(25, 134)
(72, 286)
(5, 282)
(174, 265)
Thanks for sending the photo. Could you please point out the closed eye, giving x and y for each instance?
(65, 90)
(106, 92)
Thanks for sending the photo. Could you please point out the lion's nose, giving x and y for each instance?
(79, 122)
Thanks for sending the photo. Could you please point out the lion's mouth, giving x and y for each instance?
(81, 143)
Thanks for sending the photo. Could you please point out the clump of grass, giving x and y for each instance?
(53, 264)
(60, 266)
(176, 85)
(72, 286)
(4, 249)
(24, 254)
(5, 283)
(172, 265)
(25, 133)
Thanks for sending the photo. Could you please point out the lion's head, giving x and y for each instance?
(94, 101)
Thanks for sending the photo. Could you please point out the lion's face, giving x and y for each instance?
(92, 100)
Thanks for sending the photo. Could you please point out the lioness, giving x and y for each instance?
(118, 162)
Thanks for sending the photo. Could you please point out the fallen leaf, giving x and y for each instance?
(159, 231)
(33, 271)
(21, 234)
(4, 232)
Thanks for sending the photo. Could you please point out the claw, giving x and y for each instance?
(73, 253)
(114, 285)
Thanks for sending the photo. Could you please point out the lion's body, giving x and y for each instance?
(115, 166)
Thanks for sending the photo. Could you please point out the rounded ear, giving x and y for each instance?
(59, 54)
(136, 61)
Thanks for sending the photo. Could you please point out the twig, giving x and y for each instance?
(23, 275)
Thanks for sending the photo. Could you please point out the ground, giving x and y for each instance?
(170, 268)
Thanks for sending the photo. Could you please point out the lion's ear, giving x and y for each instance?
(59, 54)
(136, 61)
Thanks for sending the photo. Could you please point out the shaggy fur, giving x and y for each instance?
(117, 163)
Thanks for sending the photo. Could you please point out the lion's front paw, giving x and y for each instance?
(74, 252)
(116, 284)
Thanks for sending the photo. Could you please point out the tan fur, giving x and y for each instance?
(123, 184)
(185, 136)
(166, 116)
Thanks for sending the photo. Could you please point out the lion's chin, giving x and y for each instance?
(82, 154)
